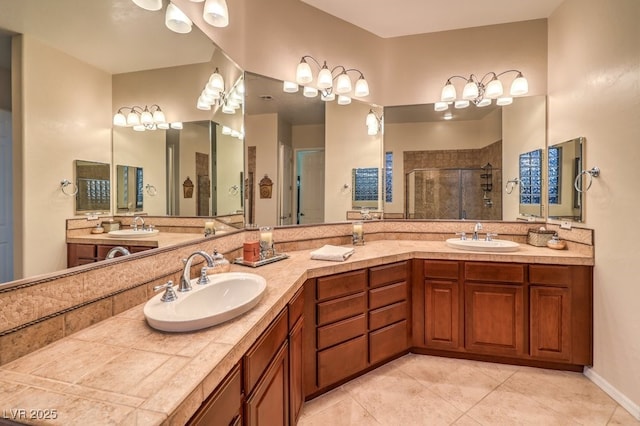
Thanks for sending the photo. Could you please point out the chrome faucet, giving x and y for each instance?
(134, 224)
(118, 249)
(185, 280)
(477, 227)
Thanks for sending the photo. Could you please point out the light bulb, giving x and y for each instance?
(371, 120)
(362, 87)
(372, 130)
(310, 92)
(176, 20)
(203, 104)
(226, 130)
(290, 87)
(343, 85)
(176, 125)
(504, 101)
(520, 86)
(119, 120)
(448, 93)
(303, 73)
(461, 104)
(133, 119)
(163, 126)
(158, 116)
(146, 117)
(216, 81)
(484, 102)
(216, 13)
(441, 106)
(494, 89)
(470, 91)
(325, 79)
(344, 100)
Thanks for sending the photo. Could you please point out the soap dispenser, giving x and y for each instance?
(556, 243)
(220, 264)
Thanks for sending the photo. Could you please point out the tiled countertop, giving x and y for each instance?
(161, 239)
(120, 371)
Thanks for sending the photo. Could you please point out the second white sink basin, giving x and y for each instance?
(132, 233)
(227, 296)
(482, 245)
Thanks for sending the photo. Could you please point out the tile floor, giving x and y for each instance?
(427, 390)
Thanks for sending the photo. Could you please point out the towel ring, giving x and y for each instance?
(594, 172)
(63, 185)
(233, 190)
(151, 190)
(511, 183)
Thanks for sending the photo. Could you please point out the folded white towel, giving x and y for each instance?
(333, 253)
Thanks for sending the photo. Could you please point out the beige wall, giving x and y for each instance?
(262, 130)
(308, 136)
(230, 154)
(193, 138)
(66, 116)
(594, 91)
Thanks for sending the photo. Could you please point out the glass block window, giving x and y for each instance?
(555, 160)
(388, 177)
(139, 193)
(531, 177)
(365, 184)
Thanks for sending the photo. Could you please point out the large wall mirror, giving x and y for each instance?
(564, 165)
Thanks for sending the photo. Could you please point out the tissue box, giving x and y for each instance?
(111, 225)
(539, 238)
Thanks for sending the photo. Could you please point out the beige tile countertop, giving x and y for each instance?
(161, 239)
(120, 371)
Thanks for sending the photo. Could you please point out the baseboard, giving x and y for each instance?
(619, 397)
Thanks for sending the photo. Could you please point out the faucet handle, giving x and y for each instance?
(463, 235)
(490, 236)
(169, 294)
(204, 277)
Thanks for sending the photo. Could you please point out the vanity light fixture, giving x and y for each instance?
(481, 91)
(328, 82)
(213, 94)
(374, 123)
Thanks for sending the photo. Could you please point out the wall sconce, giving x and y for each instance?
(325, 82)
(213, 93)
(481, 91)
(374, 123)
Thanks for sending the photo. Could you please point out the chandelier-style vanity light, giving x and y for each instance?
(141, 119)
(215, 12)
(324, 83)
(481, 91)
(374, 123)
(213, 93)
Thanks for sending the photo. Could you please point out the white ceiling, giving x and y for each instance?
(394, 18)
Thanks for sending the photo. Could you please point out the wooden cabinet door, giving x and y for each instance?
(268, 404)
(442, 314)
(550, 323)
(296, 380)
(494, 319)
(224, 406)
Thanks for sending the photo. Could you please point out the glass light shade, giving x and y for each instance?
(235, 96)
(372, 130)
(290, 87)
(448, 93)
(133, 119)
(197, 1)
(440, 106)
(158, 116)
(139, 128)
(119, 120)
(233, 103)
(343, 85)
(470, 91)
(235, 133)
(484, 102)
(504, 101)
(325, 79)
(216, 13)
(461, 104)
(447, 116)
(494, 89)
(303, 73)
(310, 92)
(371, 120)
(226, 130)
(216, 81)
(240, 86)
(146, 117)
(202, 104)
(152, 5)
(520, 86)
(344, 100)
(163, 126)
(211, 92)
(176, 20)
(228, 109)
(362, 87)
(328, 97)
(176, 125)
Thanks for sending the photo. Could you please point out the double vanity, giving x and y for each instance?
(394, 295)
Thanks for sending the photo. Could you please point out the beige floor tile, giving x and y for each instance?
(344, 412)
(324, 401)
(464, 387)
(466, 421)
(623, 417)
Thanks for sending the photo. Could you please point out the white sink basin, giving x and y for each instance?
(482, 245)
(131, 233)
(227, 296)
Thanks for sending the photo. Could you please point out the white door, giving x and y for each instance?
(285, 191)
(310, 186)
(6, 198)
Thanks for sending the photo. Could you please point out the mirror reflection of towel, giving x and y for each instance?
(332, 253)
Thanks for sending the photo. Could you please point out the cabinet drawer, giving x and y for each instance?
(387, 295)
(85, 251)
(341, 331)
(494, 272)
(387, 315)
(388, 341)
(549, 274)
(296, 306)
(441, 269)
(341, 361)
(341, 285)
(381, 275)
(258, 357)
(339, 309)
(224, 405)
